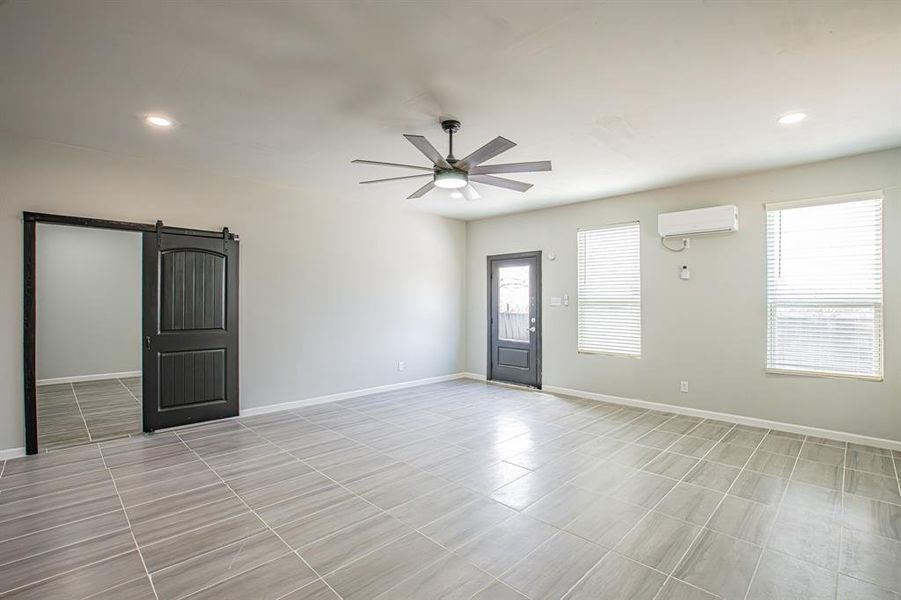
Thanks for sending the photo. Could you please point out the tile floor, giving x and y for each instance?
(455, 490)
(88, 411)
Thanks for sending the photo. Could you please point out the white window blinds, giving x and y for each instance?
(824, 287)
(609, 293)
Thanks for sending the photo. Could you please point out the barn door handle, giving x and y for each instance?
(147, 342)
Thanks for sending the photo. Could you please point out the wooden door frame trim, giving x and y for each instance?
(536, 254)
(29, 312)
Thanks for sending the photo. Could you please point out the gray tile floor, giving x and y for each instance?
(455, 490)
(88, 411)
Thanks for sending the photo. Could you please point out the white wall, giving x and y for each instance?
(334, 291)
(709, 330)
(88, 301)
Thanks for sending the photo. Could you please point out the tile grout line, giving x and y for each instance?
(88, 538)
(99, 561)
(18, 537)
(72, 570)
(841, 537)
(130, 528)
(81, 413)
(481, 495)
(376, 418)
(656, 504)
(221, 520)
(561, 529)
(448, 481)
(194, 530)
(265, 524)
(46, 481)
(57, 493)
(130, 392)
(381, 511)
(769, 534)
(369, 416)
(638, 469)
(564, 482)
(895, 465)
(407, 428)
(716, 508)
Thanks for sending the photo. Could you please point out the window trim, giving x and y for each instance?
(640, 304)
(825, 201)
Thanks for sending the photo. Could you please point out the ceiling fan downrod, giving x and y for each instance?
(451, 126)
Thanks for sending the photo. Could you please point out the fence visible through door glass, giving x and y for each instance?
(513, 303)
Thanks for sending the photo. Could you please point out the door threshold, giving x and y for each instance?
(519, 386)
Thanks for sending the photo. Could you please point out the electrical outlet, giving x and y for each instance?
(683, 387)
(401, 365)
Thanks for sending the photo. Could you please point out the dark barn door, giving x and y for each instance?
(190, 329)
(514, 318)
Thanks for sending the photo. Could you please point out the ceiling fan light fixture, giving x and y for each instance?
(792, 118)
(451, 180)
(159, 121)
(448, 173)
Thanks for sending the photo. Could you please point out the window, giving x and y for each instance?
(610, 290)
(824, 287)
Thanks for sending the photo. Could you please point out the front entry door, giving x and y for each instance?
(514, 318)
(190, 328)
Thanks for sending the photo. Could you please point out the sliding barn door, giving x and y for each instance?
(190, 329)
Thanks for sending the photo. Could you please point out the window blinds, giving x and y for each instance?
(824, 287)
(609, 292)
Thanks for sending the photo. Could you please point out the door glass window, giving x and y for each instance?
(513, 303)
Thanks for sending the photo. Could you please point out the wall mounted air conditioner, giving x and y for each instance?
(716, 219)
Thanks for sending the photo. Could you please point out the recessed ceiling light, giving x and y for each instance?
(159, 121)
(792, 118)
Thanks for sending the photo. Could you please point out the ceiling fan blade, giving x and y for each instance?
(470, 193)
(486, 152)
(397, 178)
(360, 161)
(422, 191)
(509, 184)
(523, 167)
(424, 146)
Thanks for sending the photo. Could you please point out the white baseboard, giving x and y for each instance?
(476, 376)
(11, 453)
(682, 410)
(95, 377)
(261, 410)
(844, 436)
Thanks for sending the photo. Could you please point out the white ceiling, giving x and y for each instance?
(620, 96)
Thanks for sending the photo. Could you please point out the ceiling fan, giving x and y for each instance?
(459, 174)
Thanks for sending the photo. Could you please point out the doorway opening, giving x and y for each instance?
(128, 327)
(514, 318)
(88, 350)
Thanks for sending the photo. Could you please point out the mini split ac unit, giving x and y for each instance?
(716, 219)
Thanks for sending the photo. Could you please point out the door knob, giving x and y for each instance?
(532, 329)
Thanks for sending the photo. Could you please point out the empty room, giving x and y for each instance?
(501, 300)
